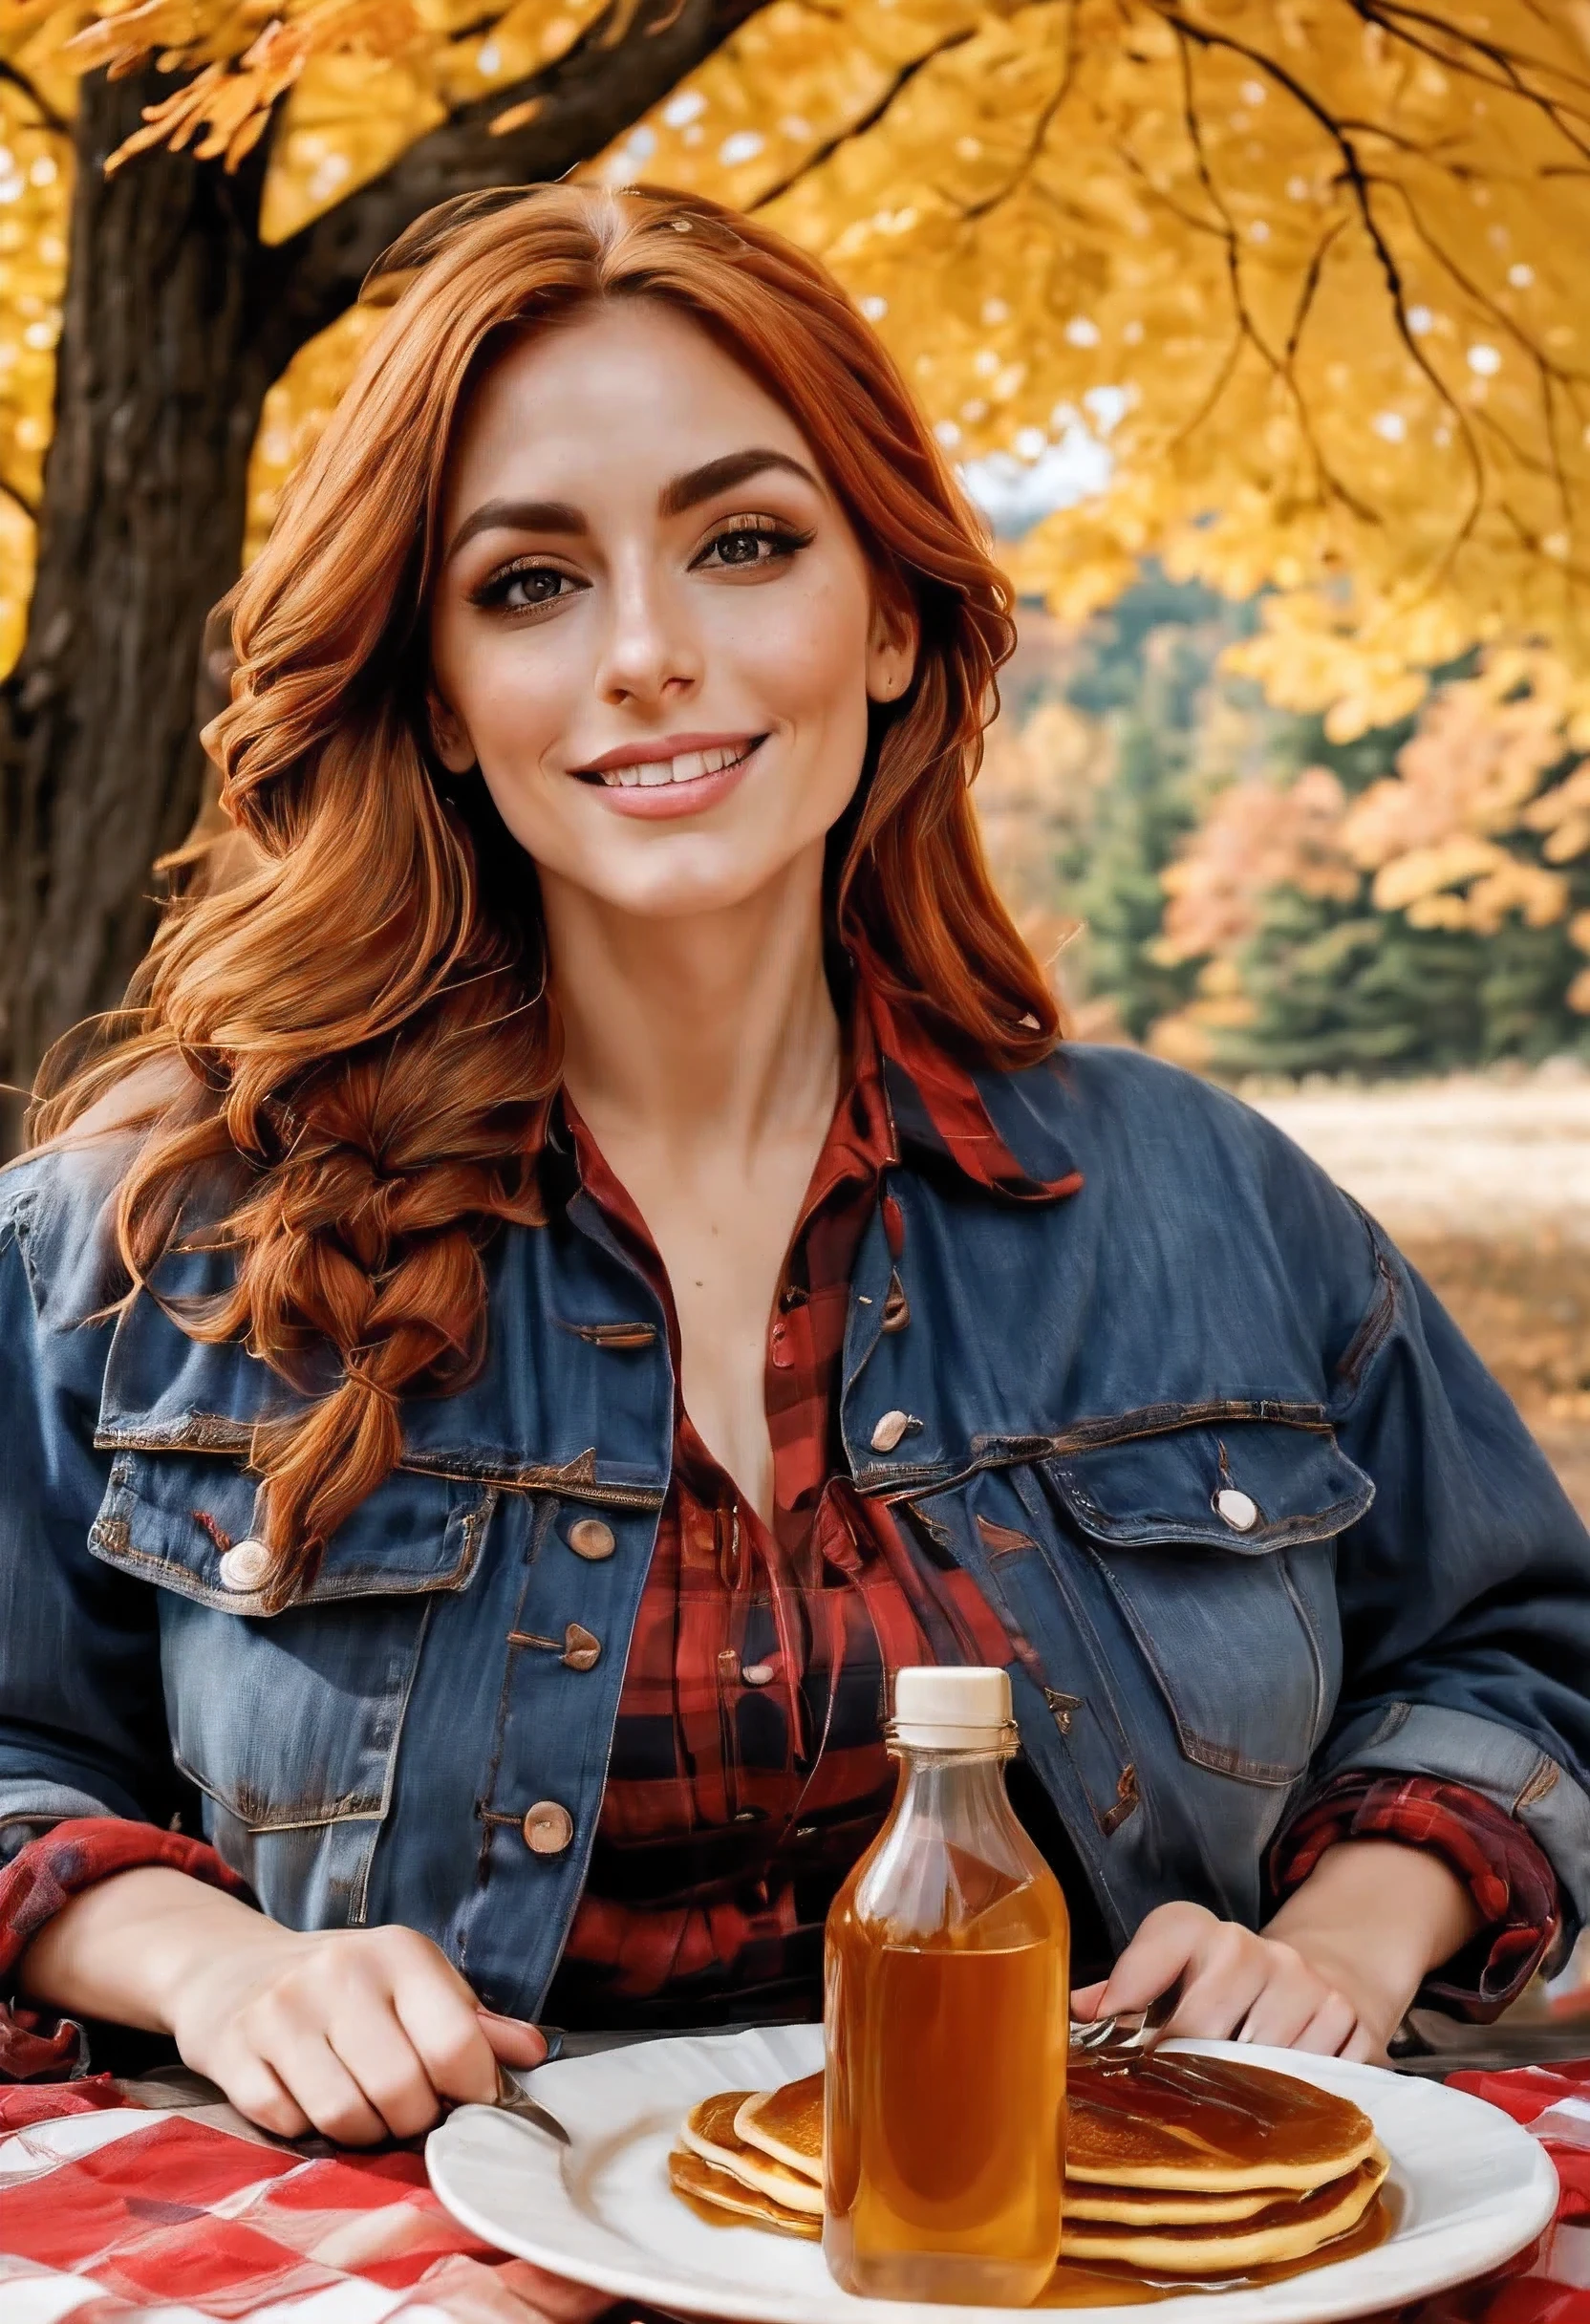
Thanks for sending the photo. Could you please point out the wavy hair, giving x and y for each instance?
(350, 1048)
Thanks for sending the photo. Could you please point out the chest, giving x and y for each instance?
(724, 1230)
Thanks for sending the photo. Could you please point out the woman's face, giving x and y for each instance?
(652, 628)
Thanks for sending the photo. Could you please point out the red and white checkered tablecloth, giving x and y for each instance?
(111, 2213)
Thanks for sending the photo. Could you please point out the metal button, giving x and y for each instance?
(588, 1538)
(582, 1648)
(1240, 1510)
(779, 1350)
(245, 1566)
(890, 1429)
(549, 1828)
(757, 1674)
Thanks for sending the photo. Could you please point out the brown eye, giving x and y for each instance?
(519, 589)
(745, 543)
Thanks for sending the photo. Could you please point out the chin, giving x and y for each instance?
(684, 890)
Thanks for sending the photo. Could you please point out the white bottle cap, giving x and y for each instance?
(950, 1710)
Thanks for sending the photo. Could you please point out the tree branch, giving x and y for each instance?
(587, 99)
(48, 117)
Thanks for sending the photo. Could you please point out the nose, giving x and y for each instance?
(649, 655)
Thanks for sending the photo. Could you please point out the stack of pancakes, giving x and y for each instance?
(1175, 2165)
(1185, 2165)
(757, 2154)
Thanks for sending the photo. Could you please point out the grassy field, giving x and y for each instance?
(1486, 1184)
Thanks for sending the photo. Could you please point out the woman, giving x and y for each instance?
(589, 1256)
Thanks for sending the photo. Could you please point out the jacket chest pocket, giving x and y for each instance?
(290, 1723)
(1217, 1547)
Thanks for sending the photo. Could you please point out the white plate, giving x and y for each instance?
(1474, 2190)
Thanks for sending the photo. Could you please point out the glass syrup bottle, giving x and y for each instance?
(947, 2019)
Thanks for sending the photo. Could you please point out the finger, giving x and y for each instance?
(441, 2018)
(1330, 2029)
(260, 2094)
(1161, 1952)
(513, 2039)
(321, 2085)
(1364, 2048)
(1292, 1997)
(1228, 1978)
(1085, 2000)
(365, 2032)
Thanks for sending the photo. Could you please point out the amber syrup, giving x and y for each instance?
(948, 1961)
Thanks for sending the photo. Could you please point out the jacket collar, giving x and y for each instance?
(909, 1101)
(569, 1315)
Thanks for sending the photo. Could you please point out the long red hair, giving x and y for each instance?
(353, 1043)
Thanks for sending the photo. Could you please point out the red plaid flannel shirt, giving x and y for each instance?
(747, 1770)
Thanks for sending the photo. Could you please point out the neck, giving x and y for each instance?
(715, 1029)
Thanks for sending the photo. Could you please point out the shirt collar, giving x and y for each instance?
(908, 1097)
(937, 1110)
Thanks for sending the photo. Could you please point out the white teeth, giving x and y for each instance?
(688, 768)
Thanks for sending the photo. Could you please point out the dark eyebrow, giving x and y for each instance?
(516, 516)
(684, 492)
(723, 475)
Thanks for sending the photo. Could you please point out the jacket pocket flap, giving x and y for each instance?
(1248, 1486)
(186, 1521)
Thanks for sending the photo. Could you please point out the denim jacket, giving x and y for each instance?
(1250, 1508)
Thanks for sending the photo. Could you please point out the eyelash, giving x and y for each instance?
(784, 542)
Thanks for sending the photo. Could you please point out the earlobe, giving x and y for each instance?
(891, 658)
(889, 675)
(448, 735)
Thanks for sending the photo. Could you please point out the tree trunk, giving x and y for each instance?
(177, 322)
(156, 385)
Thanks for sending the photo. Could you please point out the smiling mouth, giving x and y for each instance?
(689, 767)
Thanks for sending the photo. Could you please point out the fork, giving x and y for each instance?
(1132, 2033)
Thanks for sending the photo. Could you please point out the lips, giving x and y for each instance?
(684, 767)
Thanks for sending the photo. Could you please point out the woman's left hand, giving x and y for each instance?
(1236, 1986)
(1334, 1972)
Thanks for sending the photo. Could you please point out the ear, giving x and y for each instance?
(893, 640)
(449, 735)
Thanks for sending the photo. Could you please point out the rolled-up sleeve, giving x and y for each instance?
(82, 1719)
(1465, 1590)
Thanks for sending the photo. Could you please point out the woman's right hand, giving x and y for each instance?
(358, 2034)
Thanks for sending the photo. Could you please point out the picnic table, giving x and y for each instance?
(154, 2203)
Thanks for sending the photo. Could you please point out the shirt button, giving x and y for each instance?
(1240, 1510)
(245, 1566)
(549, 1828)
(889, 1431)
(757, 1674)
(778, 1346)
(588, 1538)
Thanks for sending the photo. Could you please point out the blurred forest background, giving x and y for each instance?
(1261, 327)
(1224, 883)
